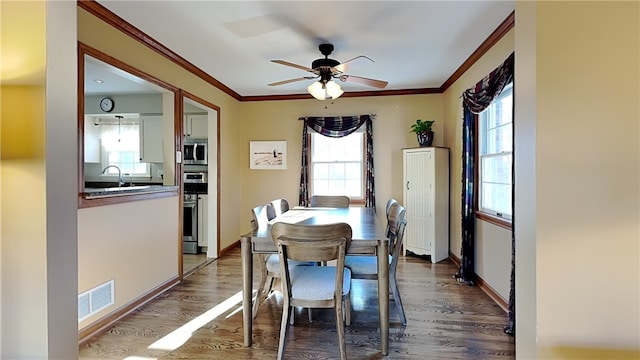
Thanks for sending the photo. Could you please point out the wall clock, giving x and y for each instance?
(107, 104)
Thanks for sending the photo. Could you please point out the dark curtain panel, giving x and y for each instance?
(475, 100)
(466, 273)
(303, 191)
(337, 127)
(370, 189)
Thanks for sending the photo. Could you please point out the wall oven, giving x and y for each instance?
(195, 151)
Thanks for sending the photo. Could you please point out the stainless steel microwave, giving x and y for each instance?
(195, 151)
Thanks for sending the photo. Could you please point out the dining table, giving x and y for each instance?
(367, 239)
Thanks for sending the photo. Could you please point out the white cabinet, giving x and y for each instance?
(203, 234)
(151, 139)
(426, 200)
(195, 126)
(91, 140)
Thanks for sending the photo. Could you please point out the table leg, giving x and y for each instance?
(247, 289)
(383, 294)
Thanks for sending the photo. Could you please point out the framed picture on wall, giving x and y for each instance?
(268, 155)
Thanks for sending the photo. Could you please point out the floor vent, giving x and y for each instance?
(94, 300)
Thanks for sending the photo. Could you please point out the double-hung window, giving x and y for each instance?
(337, 165)
(495, 157)
(121, 147)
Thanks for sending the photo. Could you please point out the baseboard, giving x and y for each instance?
(107, 321)
(485, 287)
(230, 248)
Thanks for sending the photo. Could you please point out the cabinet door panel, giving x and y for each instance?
(91, 141)
(195, 126)
(151, 139)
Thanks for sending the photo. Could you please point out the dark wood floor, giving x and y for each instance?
(202, 319)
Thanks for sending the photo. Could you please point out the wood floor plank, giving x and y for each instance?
(445, 320)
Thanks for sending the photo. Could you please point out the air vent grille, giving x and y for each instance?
(94, 300)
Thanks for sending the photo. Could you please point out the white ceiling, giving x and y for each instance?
(415, 44)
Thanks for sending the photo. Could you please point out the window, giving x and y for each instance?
(495, 156)
(121, 147)
(337, 165)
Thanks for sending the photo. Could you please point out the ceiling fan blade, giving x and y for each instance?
(364, 81)
(290, 81)
(282, 62)
(344, 66)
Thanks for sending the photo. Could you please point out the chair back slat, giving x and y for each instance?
(280, 206)
(333, 201)
(397, 223)
(261, 215)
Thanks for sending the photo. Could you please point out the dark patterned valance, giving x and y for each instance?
(336, 126)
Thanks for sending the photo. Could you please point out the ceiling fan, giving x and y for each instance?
(325, 70)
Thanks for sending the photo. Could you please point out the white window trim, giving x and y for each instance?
(508, 218)
(362, 161)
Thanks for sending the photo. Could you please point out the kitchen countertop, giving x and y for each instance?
(96, 193)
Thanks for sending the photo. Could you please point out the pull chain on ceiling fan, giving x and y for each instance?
(326, 70)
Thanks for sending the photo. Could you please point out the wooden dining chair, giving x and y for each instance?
(269, 263)
(280, 206)
(333, 201)
(314, 286)
(390, 203)
(366, 267)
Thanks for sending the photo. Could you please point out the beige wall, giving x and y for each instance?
(588, 174)
(135, 244)
(493, 243)
(577, 78)
(278, 120)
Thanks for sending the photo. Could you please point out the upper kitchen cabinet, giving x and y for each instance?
(195, 126)
(151, 133)
(91, 140)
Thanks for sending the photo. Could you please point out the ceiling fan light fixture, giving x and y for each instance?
(317, 90)
(333, 89)
(321, 91)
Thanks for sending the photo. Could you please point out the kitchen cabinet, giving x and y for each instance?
(151, 139)
(195, 126)
(203, 233)
(426, 200)
(91, 140)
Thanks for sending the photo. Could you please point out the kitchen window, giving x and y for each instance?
(121, 147)
(495, 158)
(337, 165)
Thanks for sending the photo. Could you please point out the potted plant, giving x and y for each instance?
(423, 132)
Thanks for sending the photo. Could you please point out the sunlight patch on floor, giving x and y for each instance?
(181, 335)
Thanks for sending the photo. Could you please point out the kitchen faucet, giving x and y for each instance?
(120, 182)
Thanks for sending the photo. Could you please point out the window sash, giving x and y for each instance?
(495, 157)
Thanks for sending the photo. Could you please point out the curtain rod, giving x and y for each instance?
(372, 116)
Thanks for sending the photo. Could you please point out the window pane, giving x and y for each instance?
(353, 188)
(496, 168)
(497, 197)
(336, 187)
(353, 171)
(320, 171)
(321, 187)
